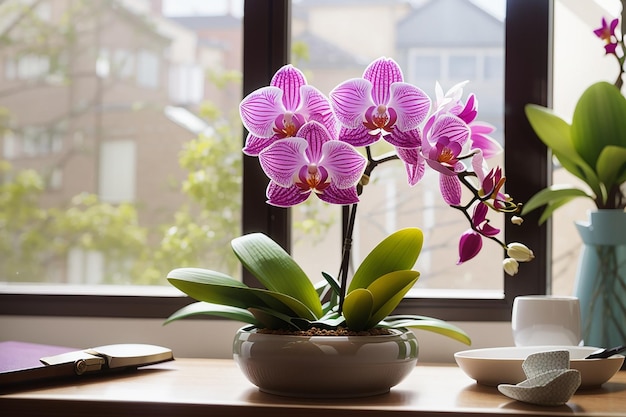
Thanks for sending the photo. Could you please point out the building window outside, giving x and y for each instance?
(123, 63)
(147, 69)
(117, 176)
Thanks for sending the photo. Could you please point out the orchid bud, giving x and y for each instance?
(517, 220)
(520, 252)
(510, 265)
(469, 245)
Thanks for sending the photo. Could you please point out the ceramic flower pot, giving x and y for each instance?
(601, 278)
(325, 366)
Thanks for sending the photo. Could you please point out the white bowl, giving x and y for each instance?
(503, 365)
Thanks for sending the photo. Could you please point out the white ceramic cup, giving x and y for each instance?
(541, 320)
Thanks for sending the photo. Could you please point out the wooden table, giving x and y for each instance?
(214, 387)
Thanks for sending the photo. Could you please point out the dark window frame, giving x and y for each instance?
(266, 48)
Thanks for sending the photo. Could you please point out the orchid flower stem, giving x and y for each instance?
(464, 208)
(345, 260)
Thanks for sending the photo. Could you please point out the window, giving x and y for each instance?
(147, 69)
(526, 166)
(117, 171)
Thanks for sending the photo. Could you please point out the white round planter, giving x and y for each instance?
(325, 366)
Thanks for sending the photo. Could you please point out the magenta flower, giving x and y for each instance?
(470, 245)
(379, 105)
(312, 163)
(445, 137)
(471, 241)
(491, 186)
(480, 221)
(607, 33)
(479, 131)
(281, 109)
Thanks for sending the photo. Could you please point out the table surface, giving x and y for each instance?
(215, 387)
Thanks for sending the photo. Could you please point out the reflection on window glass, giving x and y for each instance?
(120, 139)
(443, 40)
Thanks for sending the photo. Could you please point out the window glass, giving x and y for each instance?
(463, 67)
(120, 138)
(117, 171)
(411, 34)
(423, 66)
(575, 46)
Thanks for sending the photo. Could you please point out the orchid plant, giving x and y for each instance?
(593, 146)
(306, 144)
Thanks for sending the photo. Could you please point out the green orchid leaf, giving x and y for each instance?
(398, 252)
(332, 320)
(551, 194)
(598, 121)
(216, 289)
(552, 207)
(357, 309)
(555, 133)
(275, 269)
(612, 166)
(387, 292)
(205, 275)
(332, 290)
(437, 326)
(218, 310)
(271, 319)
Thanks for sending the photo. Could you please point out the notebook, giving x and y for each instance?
(22, 362)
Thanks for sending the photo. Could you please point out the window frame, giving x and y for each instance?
(266, 34)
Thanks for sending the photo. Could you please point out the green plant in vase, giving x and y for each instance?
(307, 144)
(593, 148)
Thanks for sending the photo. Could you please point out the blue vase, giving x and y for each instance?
(601, 278)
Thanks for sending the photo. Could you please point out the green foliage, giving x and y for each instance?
(592, 147)
(405, 245)
(275, 269)
(202, 229)
(290, 301)
(34, 239)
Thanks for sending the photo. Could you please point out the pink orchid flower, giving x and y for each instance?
(479, 131)
(492, 183)
(471, 241)
(379, 105)
(279, 110)
(445, 139)
(470, 245)
(606, 32)
(312, 163)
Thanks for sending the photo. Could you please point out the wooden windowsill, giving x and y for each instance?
(215, 387)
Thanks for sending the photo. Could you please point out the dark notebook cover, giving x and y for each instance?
(19, 363)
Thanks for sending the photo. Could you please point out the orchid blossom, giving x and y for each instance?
(471, 241)
(479, 131)
(379, 105)
(445, 138)
(281, 109)
(305, 144)
(606, 32)
(312, 163)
